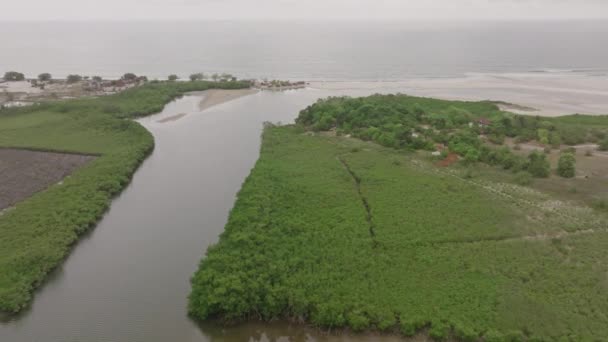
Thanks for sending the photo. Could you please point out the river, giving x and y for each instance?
(128, 280)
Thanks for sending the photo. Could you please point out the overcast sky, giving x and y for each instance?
(308, 9)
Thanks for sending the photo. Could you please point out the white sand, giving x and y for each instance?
(551, 94)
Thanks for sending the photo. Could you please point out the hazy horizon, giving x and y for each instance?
(440, 10)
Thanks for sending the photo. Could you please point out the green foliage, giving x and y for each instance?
(543, 136)
(566, 166)
(538, 165)
(555, 140)
(13, 76)
(603, 146)
(523, 178)
(394, 120)
(173, 77)
(38, 233)
(320, 232)
(45, 77)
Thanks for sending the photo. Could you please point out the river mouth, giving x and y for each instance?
(128, 280)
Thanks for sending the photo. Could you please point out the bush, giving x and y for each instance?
(13, 76)
(44, 77)
(588, 153)
(497, 139)
(566, 167)
(538, 165)
(523, 178)
(173, 78)
(555, 140)
(573, 135)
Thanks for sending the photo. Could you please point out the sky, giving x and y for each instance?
(27, 10)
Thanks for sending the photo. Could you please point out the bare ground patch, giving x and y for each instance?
(25, 172)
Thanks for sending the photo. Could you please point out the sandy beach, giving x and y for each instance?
(550, 94)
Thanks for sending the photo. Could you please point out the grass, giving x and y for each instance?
(348, 234)
(37, 234)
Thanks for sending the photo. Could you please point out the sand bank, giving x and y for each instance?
(214, 97)
(211, 98)
(548, 94)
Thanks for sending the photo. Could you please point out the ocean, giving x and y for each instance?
(305, 50)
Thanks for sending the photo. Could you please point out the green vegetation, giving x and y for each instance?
(37, 234)
(13, 76)
(566, 166)
(346, 233)
(469, 129)
(173, 77)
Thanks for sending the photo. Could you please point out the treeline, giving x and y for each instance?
(37, 234)
(407, 122)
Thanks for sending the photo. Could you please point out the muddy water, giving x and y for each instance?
(128, 280)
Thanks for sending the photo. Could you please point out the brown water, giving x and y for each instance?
(128, 280)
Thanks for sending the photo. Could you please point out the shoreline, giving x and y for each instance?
(533, 93)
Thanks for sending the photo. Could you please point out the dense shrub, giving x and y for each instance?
(566, 167)
(538, 165)
(445, 257)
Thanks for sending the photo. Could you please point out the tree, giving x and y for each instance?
(197, 77)
(13, 76)
(74, 78)
(97, 78)
(538, 165)
(566, 166)
(215, 77)
(173, 77)
(129, 77)
(45, 77)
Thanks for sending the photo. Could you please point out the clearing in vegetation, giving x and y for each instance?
(37, 234)
(344, 233)
(25, 172)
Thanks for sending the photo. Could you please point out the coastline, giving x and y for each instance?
(543, 94)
